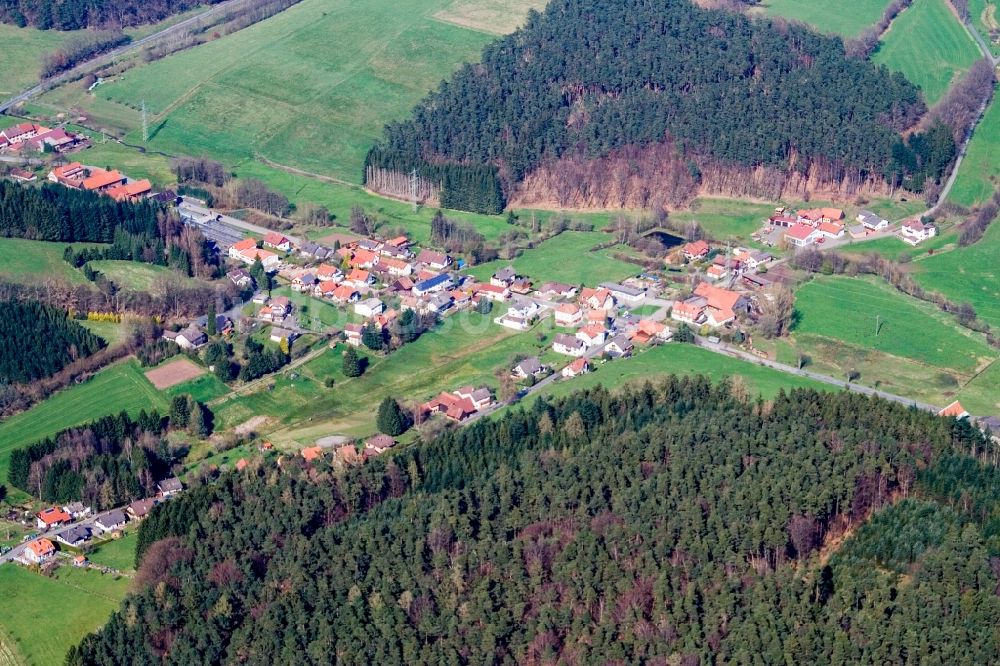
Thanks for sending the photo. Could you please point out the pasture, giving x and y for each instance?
(118, 553)
(847, 310)
(30, 260)
(116, 388)
(967, 275)
(568, 257)
(42, 616)
(979, 174)
(985, 17)
(204, 388)
(929, 46)
(848, 18)
(21, 55)
(496, 17)
(137, 276)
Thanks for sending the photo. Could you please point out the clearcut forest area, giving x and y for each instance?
(643, 377)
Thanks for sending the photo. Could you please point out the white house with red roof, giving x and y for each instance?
(274, 240)
(915, 231)
(801, 235)
(39, 551)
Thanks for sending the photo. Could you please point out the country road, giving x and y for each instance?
(109, 56)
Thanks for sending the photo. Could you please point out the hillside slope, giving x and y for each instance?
(692, 99)
(670, 524)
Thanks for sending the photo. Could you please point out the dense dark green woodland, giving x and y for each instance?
(78, 14)
(56, 213)
(588, 78)
(676, 523)
(39, 340)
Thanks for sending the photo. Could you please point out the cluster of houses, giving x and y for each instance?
(62, 523)
(194, 335)
(710, 305)
(348, 453)
(113, 183)
(728, 265)
(32, 138)
(812, 226)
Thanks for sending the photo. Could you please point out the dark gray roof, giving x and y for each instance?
(171, 485)
(481, 394)
(622, 289)
(507, 273)
(113, 517)
(530, 366)
(75, 534)
(567, 340)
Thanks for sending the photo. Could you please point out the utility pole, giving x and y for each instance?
(145, 124)
(414, 188)
(876, 325)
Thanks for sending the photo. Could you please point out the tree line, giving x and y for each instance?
(80, 14)
(40, 340)
(588, 80)
(669, 523)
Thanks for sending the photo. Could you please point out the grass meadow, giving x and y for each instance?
(929, 46)
(116, 388)
(42, 616)
(968, 274)
(496, 17)
(845, 309)
(21, 55)
(137, 276)
(568, 258)
(29, 260)
(118, 553)
(979, 175)
(847, 18)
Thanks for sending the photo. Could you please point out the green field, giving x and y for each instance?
(20, 57)
(118, 554)
(109, 331)
(969, 274)
(133, 275)
(497, 17)
(565, 258)
(929, 46)
(847, 18)
(204, 388)
(979, 175)
(119, 387)
(845, 309)
(985, 17)
(28, 260)
(42, 617)
(682, 359)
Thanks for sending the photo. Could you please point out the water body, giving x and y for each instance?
(667, 240)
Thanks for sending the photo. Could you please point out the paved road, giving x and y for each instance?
(197, 209)
(105, 58)
(16, 551)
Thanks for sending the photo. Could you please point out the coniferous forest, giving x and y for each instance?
(39, 340)
(79, 14)
(676, 523)
(588, 78)
(56, 213)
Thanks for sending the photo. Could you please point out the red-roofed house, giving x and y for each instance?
(955, 409)
(39, 551)
(52, 517)
(492, 291)
(722, 304)
(696, 250)
(275, 240)
(131, 191)
(801, 235)
(578, 367)
(311, 453)
(345, 294)
(70, 175)
(915, 231)
(359, 278)
(592, 334)
(568, 314)
(100, 180)
(649, 330)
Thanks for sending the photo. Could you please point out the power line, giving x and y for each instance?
(145, 124)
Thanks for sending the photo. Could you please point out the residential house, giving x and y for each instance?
(872, 221)
(557, 290)
(18, 133)
(70, 175)
(580, 366)
(439, 302)
(755, 259)
(690, 311)
(140, 508)
(619, 347)
(281, 306)
(831, 229)
(223, 324)
(592, 335)
(568, 314)
(359, 278)
(529, 367)
(437, 283)
(716, 272)
(325, 289)
(52, 517)
(111, 521)
(435, 260)
(481, 397)
(328, 272)
(721, 304)
(352, 334)
(521, 285)
(379, 443)
(169, 487)
(304, 282)
(311, 453)
(782, 220)
(597, 299)
(363, 259)
(504, 277)
(696, 250)
(247, 251)
(276, 241)
(403, 284)
(280, 335)
(394, 267)
(459, 298)
(80, 561)
(810, 216)
(802, 235)
(39, 551)
(492, 292)
(520, 315)
(649, 331)
(369, 307)
(77, 510)
(191, 337)
(630, 296)
(345, 294)
(23, 176)
(915, 231)
(453, 406)
(955, 410)
(241, 278)
(568, 345)
(314, 251)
